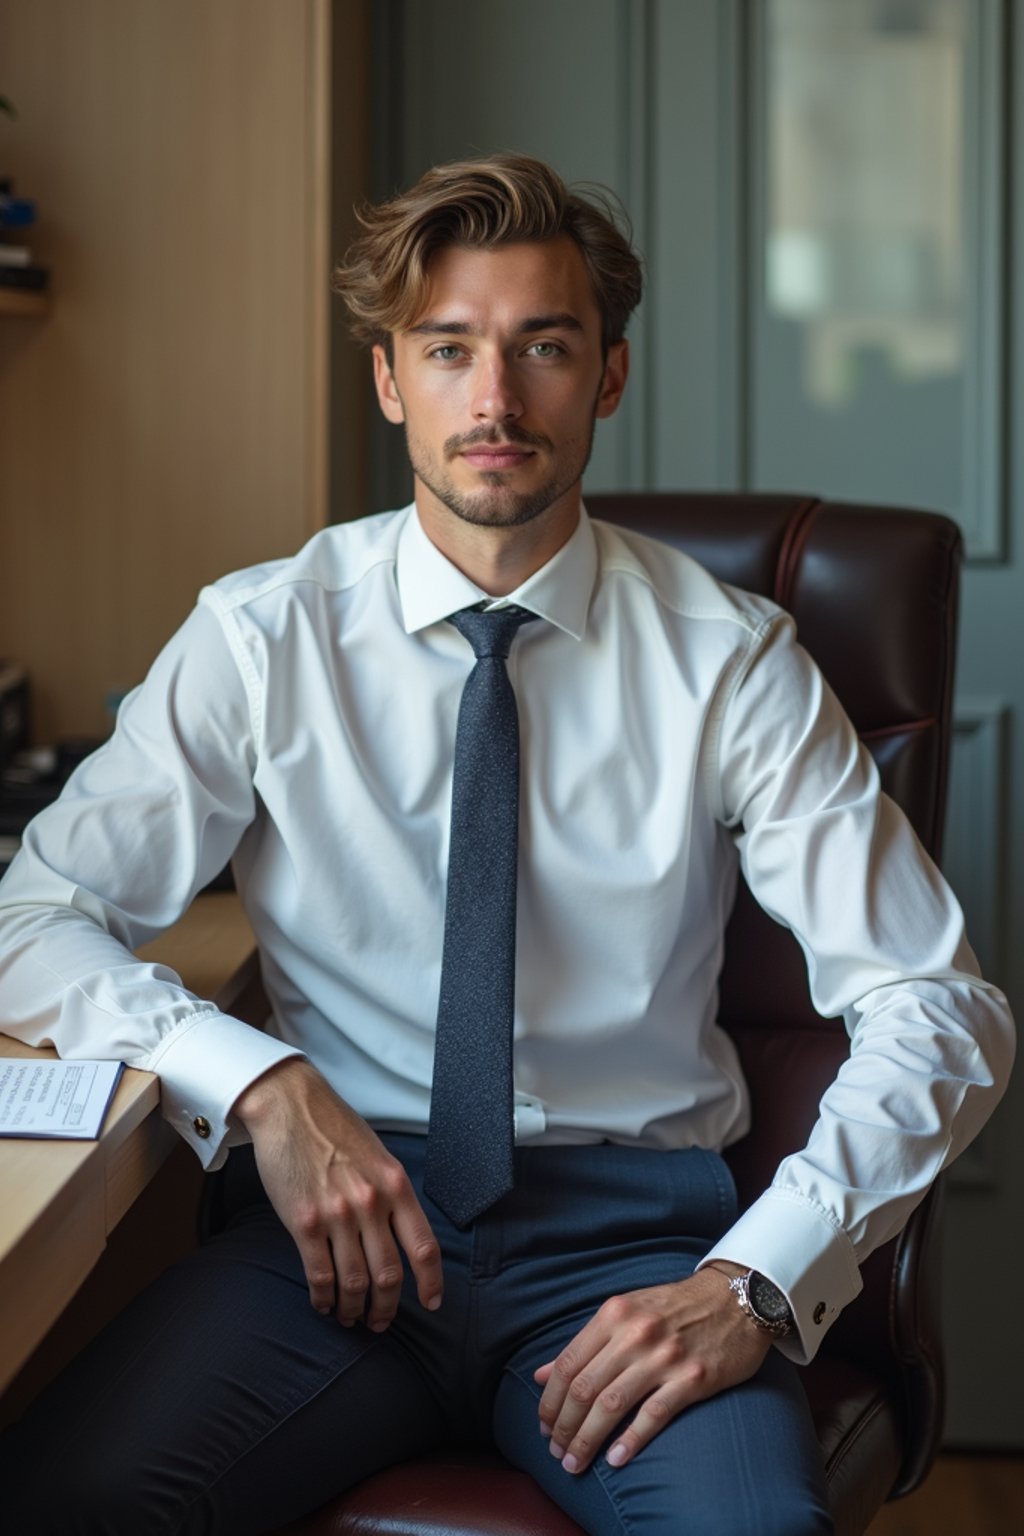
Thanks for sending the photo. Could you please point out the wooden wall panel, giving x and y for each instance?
(353, 402)
(167, 422)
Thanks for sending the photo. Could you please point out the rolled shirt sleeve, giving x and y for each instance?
(142, 826)
(931, 1044)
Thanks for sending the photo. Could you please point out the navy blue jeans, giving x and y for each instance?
(221, 1402)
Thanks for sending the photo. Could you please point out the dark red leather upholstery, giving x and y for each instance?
(874, 593)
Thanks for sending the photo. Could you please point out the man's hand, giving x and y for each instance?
(345, 1200)
(662, 1348)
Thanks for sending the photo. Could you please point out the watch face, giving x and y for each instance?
(768, 1301)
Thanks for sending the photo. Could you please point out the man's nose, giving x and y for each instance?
(495, 396)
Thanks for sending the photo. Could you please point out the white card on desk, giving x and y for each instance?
(56, 1098)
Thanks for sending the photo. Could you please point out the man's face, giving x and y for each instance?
(499, 382)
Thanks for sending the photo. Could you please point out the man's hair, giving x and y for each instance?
(481, 204)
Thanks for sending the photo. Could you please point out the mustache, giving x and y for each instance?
(510, 436)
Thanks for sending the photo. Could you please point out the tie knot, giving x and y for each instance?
(490, 633)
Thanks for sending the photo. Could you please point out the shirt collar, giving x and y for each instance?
(430, 587)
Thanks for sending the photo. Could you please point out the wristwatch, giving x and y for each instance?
(763, 1302)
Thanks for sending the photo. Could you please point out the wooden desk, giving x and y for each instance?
(59, 1200)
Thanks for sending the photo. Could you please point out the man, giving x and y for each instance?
(592, 1303)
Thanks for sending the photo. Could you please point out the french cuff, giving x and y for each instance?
(802, 1249)
(203, 1066)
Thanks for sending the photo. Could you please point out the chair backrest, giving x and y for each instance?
(874, 594)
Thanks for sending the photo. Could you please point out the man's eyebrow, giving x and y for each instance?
(561, 321)
(440, 328)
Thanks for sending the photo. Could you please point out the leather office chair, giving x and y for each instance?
(874, 593)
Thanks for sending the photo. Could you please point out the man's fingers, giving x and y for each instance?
(353, 1279)
(598, 1399)
(422, 1249)
(352, 1262)
(384, 1263)
(658, 1410)
(318, 1264)
(562, 1372)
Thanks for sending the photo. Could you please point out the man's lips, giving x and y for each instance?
(497, 458)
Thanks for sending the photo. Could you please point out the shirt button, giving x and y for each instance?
(819, 1312)
(201, 1126)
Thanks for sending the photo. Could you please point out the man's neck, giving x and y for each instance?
(497, 560)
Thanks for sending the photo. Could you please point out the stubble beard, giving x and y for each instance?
(496, 504)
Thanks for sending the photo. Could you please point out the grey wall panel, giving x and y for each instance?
(695, 249)
(975, 865)
(976, 813)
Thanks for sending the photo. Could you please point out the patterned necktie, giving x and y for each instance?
(469, 1142)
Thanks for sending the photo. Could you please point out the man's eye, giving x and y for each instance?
(545, 349)
(447, 353)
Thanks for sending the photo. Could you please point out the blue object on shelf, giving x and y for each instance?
(17, 212)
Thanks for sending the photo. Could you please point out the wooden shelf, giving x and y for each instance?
(24, 302)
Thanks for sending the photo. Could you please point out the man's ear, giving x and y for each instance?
(616, 372)
(384, 381)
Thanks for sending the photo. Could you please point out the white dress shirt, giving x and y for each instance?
(302, 721)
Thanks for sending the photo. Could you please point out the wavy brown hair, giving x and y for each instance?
(481, 204)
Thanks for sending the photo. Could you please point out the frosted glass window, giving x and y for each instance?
(870, 345)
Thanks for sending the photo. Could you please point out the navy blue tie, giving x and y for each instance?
(469, 1141)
